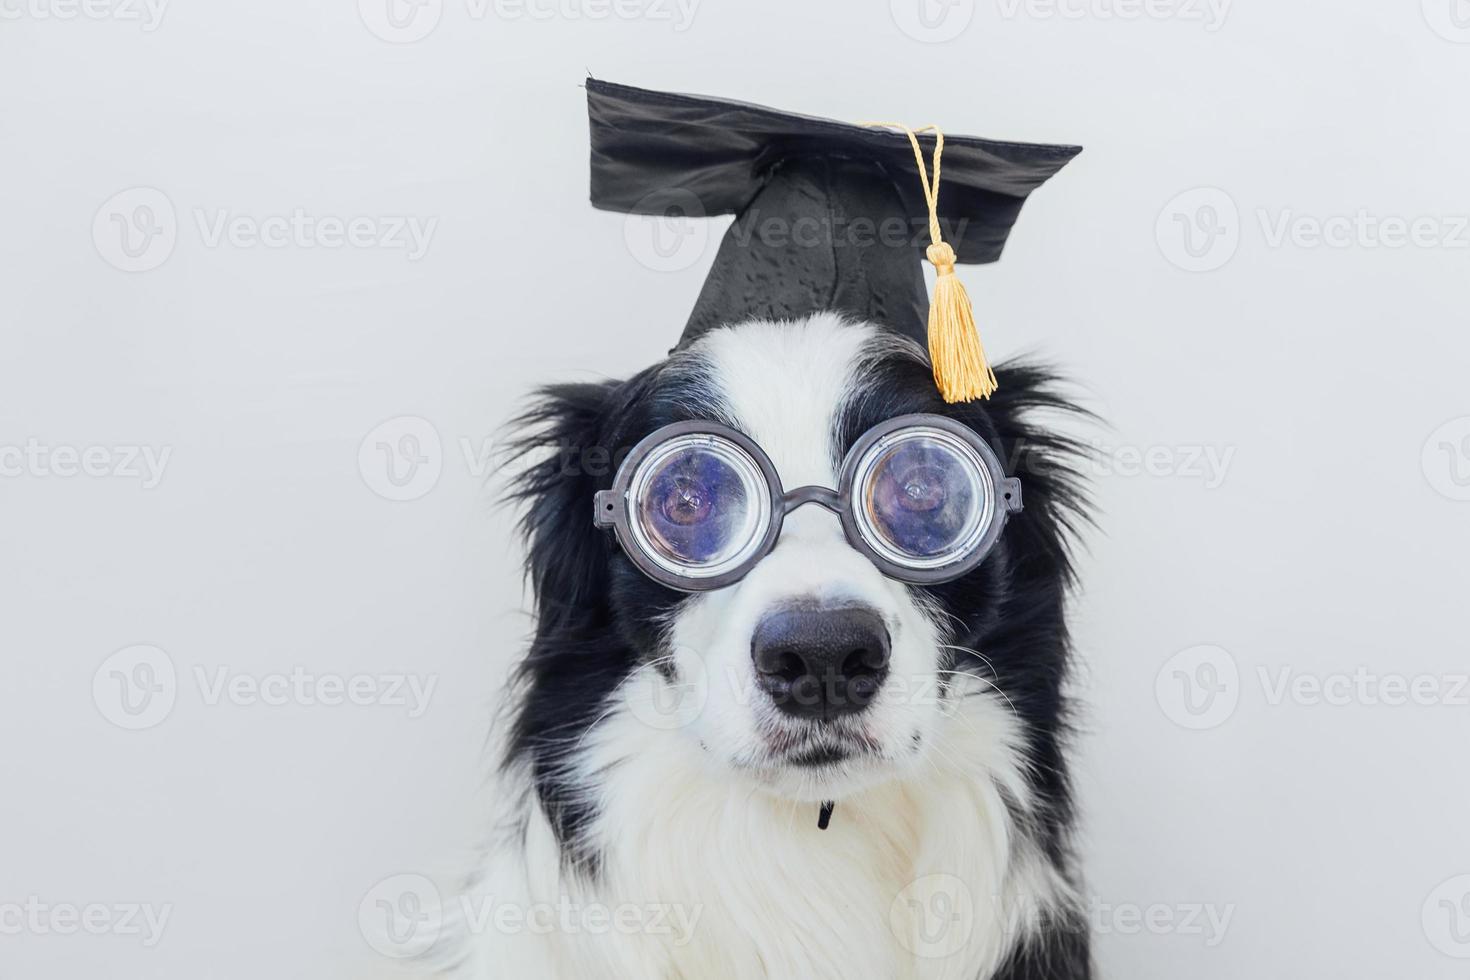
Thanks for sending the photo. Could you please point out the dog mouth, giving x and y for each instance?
(820, 749)
(818, 756)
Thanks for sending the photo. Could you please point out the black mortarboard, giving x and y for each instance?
(831, 216)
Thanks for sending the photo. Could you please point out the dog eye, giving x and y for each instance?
(920, 490)
(922, 498)
(697, 507)
(687, 501)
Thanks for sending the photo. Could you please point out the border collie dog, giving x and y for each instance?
(660, 810)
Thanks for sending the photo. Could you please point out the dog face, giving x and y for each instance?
(814, 675)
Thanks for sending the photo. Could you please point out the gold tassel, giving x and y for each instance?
(961, 369)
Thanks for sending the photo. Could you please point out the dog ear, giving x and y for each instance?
(1032, 418)
(562, 443)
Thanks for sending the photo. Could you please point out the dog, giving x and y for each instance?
(662, 816)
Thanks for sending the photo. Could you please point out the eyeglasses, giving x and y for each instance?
(696, 504)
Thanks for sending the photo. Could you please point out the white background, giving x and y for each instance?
(1330, 376)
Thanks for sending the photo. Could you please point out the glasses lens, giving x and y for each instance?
(701, 505)
(925, 498)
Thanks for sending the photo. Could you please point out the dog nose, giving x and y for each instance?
(820, 662)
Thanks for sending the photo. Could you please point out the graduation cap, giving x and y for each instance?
(831, 216)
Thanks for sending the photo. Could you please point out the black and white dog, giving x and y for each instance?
(660, 808)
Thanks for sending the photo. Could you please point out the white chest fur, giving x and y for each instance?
(701, 875)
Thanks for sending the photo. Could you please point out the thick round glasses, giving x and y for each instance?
(697, 504)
